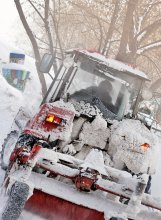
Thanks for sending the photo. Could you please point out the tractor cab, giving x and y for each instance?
(92, 78)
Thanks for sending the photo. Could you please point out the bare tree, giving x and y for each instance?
(127, 41)
(111, 28)
(34, 45)
(126, 30)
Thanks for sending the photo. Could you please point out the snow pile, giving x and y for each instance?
(125, 147)
(32, 93)
(92, 107)
(95, 160)
(14, 66)
(85, 134)
(96, 133)
(83, 108)
(9, 92)
(11, 99)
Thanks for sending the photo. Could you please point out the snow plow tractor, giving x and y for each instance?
(80, 157)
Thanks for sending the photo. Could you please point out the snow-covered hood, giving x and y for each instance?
(127, 138)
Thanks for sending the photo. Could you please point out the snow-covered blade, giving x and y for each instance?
(109, 180)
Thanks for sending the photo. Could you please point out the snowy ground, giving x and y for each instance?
(11, 100)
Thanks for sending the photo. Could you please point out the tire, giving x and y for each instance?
(7, 148)
(16, 201)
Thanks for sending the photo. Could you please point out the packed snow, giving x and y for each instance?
(11, 99)
(91, 131)
(14, 66)
(127, 138)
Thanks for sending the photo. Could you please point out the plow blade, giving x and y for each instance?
(58, 200)
(119, 190)
(62, 198)
(51, 207)
(118, 182)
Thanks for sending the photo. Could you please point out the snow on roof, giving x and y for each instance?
(115, 64)
(18, 51)
(14, 66)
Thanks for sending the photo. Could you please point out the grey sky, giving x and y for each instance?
(8, 15)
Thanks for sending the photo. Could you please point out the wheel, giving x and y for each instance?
(16, 201)
(7, 148)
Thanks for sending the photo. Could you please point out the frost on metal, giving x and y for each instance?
(63, 110)
(125, 147)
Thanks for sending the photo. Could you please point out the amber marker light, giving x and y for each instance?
(53, 119)
(50, 118)
(144, 146)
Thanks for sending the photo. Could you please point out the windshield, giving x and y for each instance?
(90, 83)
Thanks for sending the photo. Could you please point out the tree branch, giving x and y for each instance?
(149, 46)
(112, 26)
(34, 44)
(36, 10)
(147, 31)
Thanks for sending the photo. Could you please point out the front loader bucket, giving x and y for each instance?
(52, 207)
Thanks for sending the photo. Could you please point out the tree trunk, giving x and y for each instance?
(111, 28)
(123, 54)
(34, 45)
(47, 28)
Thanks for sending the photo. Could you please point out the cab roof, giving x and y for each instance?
(111, 63)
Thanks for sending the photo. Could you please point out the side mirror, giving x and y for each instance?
(46, 63)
